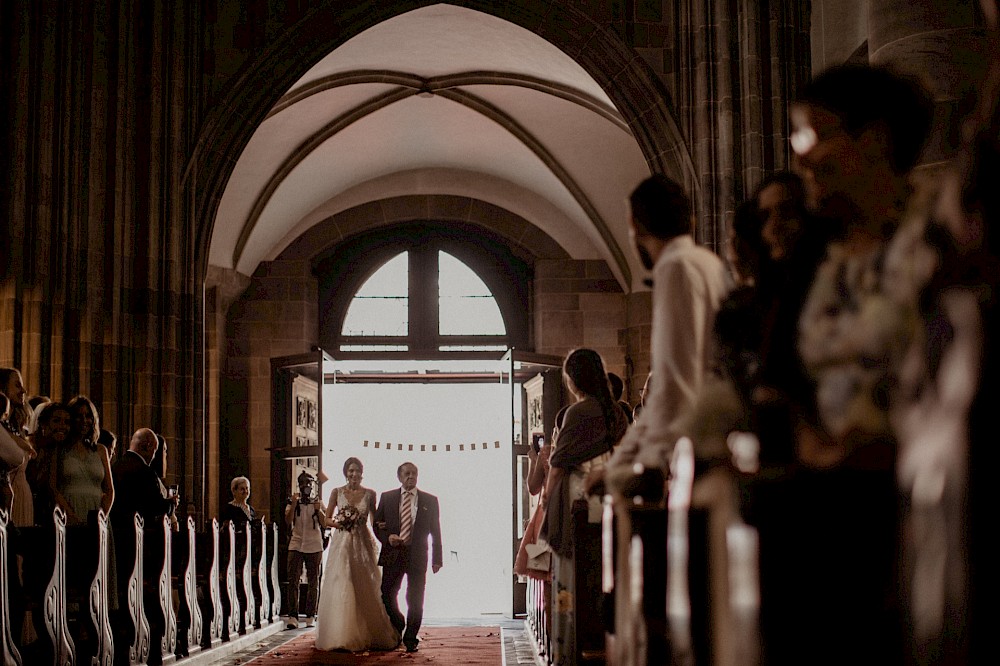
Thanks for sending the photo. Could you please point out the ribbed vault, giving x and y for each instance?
(441, 100)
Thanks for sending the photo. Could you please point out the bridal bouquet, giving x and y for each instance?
(348, 516)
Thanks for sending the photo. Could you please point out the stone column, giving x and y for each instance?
(942, 43)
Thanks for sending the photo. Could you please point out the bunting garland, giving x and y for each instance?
(431, 448)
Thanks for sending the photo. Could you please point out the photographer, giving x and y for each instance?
(306, 515)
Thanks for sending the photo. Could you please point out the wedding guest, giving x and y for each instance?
(108, 440)
(239, 510)
(139, 488)
(12, 386)
(51, 435)
(858, 132)
(18, 500)
(593, 425)
(689, 282)
(617, 390)
(538, 470)
(643, 393)
(34, 405)
(81, 474)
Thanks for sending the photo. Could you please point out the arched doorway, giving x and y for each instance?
(538, 136)
(418, 334)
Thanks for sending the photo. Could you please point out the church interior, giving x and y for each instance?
(198, 194)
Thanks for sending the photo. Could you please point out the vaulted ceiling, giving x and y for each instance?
(438, 101)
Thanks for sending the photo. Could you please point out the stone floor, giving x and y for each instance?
(516, 644)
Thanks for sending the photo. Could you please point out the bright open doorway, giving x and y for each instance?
(454, 419)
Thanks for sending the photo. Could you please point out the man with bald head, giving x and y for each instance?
(137, 486)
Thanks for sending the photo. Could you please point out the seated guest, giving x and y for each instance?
(138, 486)
(81, 472)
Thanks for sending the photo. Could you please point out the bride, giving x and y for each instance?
(351, 614)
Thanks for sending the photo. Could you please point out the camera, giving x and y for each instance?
(308, 489)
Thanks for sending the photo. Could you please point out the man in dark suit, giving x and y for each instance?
(137, 486)
(405, 518)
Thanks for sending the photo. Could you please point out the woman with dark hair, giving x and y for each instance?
(594, 425)
(50, 436)
(81, 473)
(353, 616)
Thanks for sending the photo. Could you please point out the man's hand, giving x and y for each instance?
(295, 498)
(394, 540)
(435, 568)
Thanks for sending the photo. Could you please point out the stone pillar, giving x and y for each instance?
(942, 43)
(578, 303)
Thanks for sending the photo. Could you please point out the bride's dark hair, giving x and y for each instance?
(353, 460)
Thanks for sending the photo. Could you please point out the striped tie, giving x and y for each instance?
(405, 523)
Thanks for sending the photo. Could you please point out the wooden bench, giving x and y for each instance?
(9, 654)
(189, 619)
(164, 587)
(157, 589)
(209, 592)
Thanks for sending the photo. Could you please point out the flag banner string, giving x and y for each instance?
(432, 448)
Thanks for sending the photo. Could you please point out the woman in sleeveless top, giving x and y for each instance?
(351, 615)
(81, 476)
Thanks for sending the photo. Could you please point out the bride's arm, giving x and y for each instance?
(371, 503)
(330, 522)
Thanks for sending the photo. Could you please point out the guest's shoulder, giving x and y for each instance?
(125, 463)
(586, 408)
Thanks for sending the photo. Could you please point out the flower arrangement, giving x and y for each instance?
(347, 517)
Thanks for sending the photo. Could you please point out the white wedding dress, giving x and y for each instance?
(351, 614)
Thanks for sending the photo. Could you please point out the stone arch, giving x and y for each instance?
(526, 241)
(630, 83)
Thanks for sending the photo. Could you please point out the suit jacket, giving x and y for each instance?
(137, 490)
(426, 524)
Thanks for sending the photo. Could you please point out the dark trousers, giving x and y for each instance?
(295, 562)
(416, 580)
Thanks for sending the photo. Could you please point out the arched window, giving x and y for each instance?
(466, 306)
(427, 299)
(381, 306)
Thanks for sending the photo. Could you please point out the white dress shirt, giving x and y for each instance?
(689, 283)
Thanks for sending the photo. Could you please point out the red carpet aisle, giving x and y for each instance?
(442, 646)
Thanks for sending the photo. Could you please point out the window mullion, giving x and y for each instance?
(423, 297)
